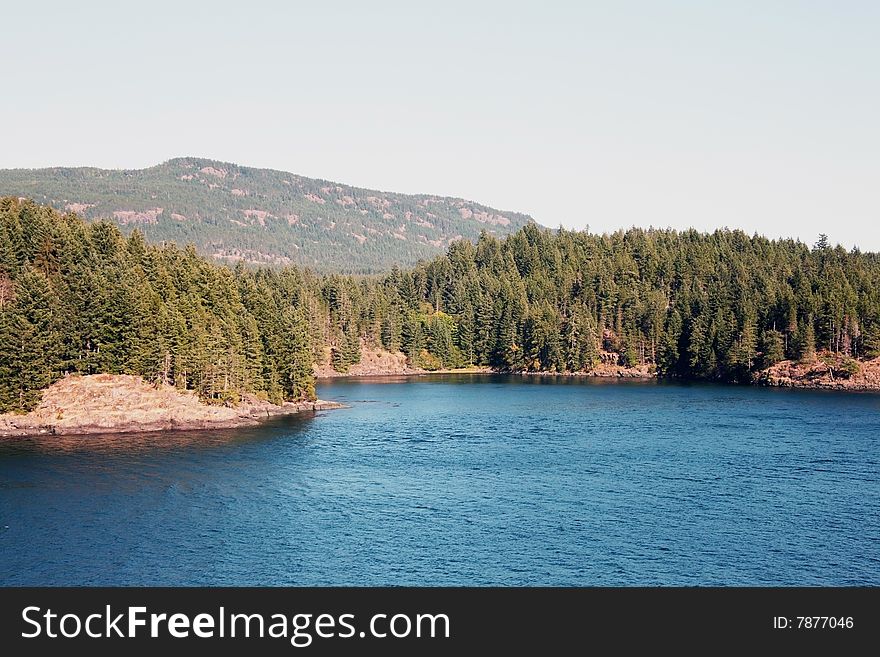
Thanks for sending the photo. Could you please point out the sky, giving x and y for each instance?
(763, 116)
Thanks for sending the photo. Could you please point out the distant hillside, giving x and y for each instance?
(264, 216)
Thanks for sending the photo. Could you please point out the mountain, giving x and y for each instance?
(264, 216)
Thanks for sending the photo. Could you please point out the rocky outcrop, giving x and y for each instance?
(374, 362)
(830, 371)
(107, 403)
(606, 371)
(379, 362)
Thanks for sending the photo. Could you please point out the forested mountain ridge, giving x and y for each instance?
(263, 216)
(79, 297)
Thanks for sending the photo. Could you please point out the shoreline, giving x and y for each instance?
(811, 376)
(605, 371)
(417, 373)
(408, 372)
(107, 403)
(10, 428)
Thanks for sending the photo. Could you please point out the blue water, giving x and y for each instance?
(458, 480)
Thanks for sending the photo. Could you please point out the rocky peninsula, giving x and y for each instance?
(108, 403)
(827, 371)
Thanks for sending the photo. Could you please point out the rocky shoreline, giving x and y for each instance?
(381, 363)
(358, 373)
(642, 372)
(599, 373)
(105, 403)
(826, 372)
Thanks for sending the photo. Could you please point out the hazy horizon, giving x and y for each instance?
(753, 117)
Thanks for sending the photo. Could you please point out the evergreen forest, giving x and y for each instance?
(81, 297)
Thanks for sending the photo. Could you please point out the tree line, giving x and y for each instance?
(713, 306)
(79, 297)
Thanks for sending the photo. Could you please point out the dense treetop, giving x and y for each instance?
(81, 297)
(693, 305)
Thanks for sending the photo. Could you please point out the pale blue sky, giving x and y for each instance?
(756, 115)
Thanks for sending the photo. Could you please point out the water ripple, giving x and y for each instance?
(465, 480)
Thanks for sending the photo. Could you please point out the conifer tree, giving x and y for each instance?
(772, 348)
